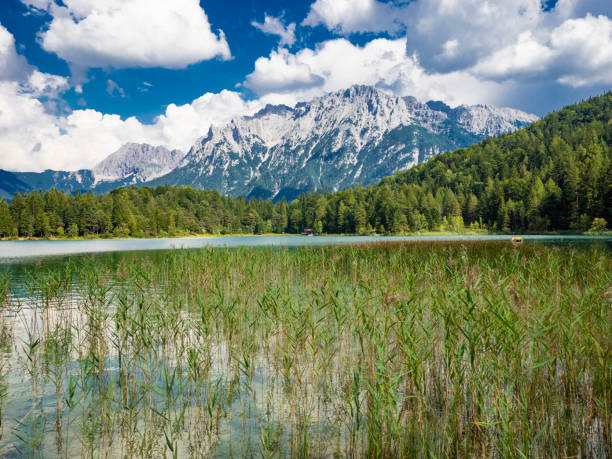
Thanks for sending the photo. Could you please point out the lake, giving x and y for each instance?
(261, 346)
(11, 250)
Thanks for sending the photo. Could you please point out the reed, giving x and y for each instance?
(381, 350)
(6, 333)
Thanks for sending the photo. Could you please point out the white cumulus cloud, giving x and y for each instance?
(283, 72)
(46, 85)
(181, 125)
(451, 35)
(130, 33)
(515, 41)
(351, 16)
(583, 49)
(274, 26)
(527, 55)
(576, 53)
(284, 77)
(12, 65)
(34, 137)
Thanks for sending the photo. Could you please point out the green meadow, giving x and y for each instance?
(443, 349)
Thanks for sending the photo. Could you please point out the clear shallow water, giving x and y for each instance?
(11, 250)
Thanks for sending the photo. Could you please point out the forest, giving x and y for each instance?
(551, 176)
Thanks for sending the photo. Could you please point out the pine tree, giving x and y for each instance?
(7, 226)
(360, 218)
(471, 208)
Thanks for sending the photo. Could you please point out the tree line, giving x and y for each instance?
(553, 175)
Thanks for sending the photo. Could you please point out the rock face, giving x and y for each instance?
(136, 163)
(356, 135)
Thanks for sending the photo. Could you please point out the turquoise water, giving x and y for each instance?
(11, 250)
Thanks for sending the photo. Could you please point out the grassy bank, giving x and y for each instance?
(382, 350)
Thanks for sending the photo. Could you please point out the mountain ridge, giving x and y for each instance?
(138, 162)
(332, 142)
(357, 135)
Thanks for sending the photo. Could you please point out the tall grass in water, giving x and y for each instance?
(386, 350)
(6, 334)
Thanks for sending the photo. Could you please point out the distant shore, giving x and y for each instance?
(469, 232)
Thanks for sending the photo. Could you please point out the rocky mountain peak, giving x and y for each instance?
(137, 163)
(357, 134)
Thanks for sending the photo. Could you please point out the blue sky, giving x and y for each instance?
(80, 77)
(179, 86)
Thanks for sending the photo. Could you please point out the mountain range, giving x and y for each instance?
(555, 174)
(357, 135)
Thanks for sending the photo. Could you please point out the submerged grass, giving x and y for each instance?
(384, 350)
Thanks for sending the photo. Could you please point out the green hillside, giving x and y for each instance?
(553, 175)
(548, 175)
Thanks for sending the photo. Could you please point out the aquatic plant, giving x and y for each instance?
(381, 350)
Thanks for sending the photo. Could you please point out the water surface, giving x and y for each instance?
(11, 250)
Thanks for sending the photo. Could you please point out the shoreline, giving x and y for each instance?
(211, 236)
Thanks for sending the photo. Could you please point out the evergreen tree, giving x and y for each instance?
(7, 226)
